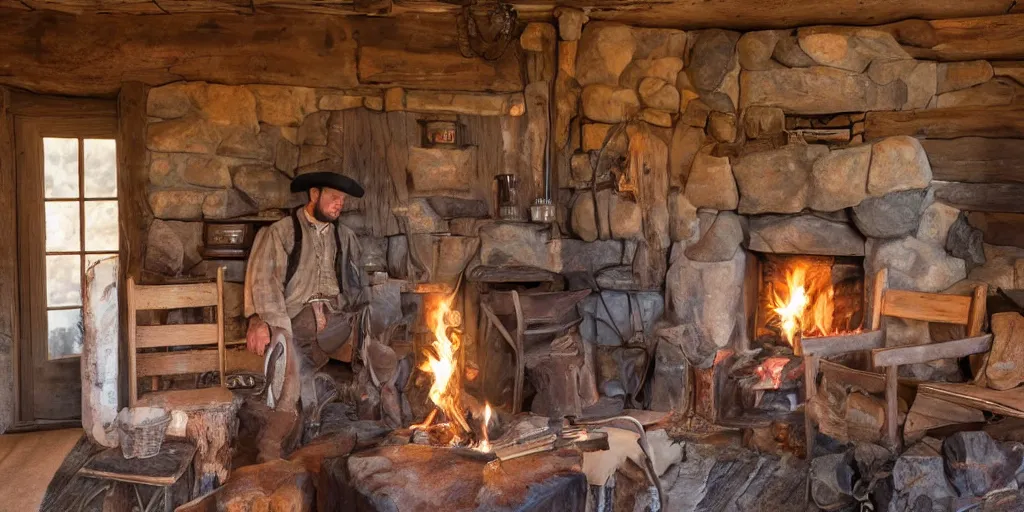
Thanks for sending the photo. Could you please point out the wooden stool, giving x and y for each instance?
(162, 470)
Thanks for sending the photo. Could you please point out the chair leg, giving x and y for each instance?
(810, 391)
(892, 411)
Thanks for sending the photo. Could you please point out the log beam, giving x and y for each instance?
(976, 159)
(8, 271)
(999, 228)
(947, 123)
(997, 197)
(990, 37)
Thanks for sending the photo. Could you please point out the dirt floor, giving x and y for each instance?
(27, 464)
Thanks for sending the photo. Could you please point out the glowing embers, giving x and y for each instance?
(809, 296)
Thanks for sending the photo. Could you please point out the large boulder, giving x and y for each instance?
(173, 246)
(965, 242)
(953, 76)
(711, 183)
(283, 105)
(804, 234)
(755, 50)
(913, 264)
(686, 142)
(265, 186)
(276, 485)
(935, 223)
(839, 179)
(850, 50)
(714, 54)
(659, 94)
(898, 163)
(607, 104)
(227, 204)
(893, 215)
(776, 181)
(512, 244)
(720, 242)
(604, 52)
(919, 484)
(177, 204)
(977, 464)
(818, 90)
(683, 221)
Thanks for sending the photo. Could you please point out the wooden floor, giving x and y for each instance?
(28, 463)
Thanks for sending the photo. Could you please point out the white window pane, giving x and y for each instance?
(62, 226)
(60, 167)
(101, 225)
(65, 333)
(63, 281)
(100, 168)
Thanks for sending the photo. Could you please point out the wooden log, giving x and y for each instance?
(924, 353)
(947, 123)
(995, 197)
(930, 307)
(991, 37)
(892, 407)
(836, 345)
(929, 412)
(8, 270)
(1006, 403)
(999, 228)
(1005, 365)
(977, 159)
(100, 368)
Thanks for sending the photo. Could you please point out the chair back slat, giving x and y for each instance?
(175, 296)
(151, 364)
(930, 307)
(158, 336)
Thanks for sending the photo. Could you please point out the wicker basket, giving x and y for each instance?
(142, 435)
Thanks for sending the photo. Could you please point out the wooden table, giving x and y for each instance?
(162, 470)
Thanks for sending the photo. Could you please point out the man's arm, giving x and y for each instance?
(264, 289)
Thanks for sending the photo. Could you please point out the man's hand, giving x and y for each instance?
(258, 336)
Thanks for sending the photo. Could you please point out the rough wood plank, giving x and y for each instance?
(998, 36)
(174, 296)
(155, 336)
(947, 123)
(994, 197)
(177, 363)
(977, 159)
(94, 54)
(999, 228)
(892, 407)
(163, 469)
(869, 381)
(929, 412)
(362, 137)
(1007, 403)
(930, 307)
(924, 353)
(184, 6)
(8, 269)
(35, 105)
(835, 345)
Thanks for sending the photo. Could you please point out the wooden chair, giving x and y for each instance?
(931, 307)
(155, 364)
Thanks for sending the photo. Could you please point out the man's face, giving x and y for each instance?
(327, 203)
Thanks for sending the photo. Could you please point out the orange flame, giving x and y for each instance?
(807, 309)
(485, 444)
(441, 363)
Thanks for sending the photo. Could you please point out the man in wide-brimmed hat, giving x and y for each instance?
(302, 287)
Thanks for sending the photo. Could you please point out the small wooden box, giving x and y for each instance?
(227, 240)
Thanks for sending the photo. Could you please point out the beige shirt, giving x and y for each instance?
(266, 293)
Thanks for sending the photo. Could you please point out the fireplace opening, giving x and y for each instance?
(803, 296)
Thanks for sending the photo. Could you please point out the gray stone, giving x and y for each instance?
(177, 204)
(913, 264)
(234, 270)
(711, 183)
(658, 43)
(605, 320)
(756, 48)
(452, 207)
(514, 244)
(607, 104)
(893, 215)
(286, 157)
(920, 82)
(832, 481)
(625, 218)
(659, 94)
(618, 278)
(919, 484)
(720, 242)
(762, 122)
(570, 22)
(317, 158)
(707, 300)
(313, 129)
(686, 142)
(953, 76)
(788, 52)
(977, 464)
(604, 52)
(453, 254)
(398, 256)
(722, 126)
(898, 163)
(585, 223)
(965, 242)
(421, 218)
(847, 49)
(571, 255)
(804, 234)
(819, 90)
(683, 222)
(173, 246)
(227, 204)
(839, 179)
(714, 55)
(935, 223)
(265, 186)
(776, 181)
(725, 98)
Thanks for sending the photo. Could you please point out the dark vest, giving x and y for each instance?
(347, 273)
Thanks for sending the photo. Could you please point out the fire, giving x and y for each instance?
(442, 364)
(485, 444)
(807, 309)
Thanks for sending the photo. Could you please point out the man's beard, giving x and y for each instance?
(320, 215)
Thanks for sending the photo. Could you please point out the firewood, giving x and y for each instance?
(1005, 366)
(929, 412)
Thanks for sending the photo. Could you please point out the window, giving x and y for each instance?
(80, 201)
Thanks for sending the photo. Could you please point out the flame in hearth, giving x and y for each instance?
(804, 310)
(441, 363)
(485, 444)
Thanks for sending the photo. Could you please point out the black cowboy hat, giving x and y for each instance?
(304, 182)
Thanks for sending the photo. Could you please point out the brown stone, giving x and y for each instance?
(726, 97)
(788, 52)
(819, 90)
(898, 163)
(173, 246)
(183, 135)
(696, 114)
(567, 51)
(659, 94)
(657, 43)
(839, 179)
(276, 485)
(241, 143)
(264, 186)
(804, 234)
(656, 117)
(776, 181)
(605, 51)
(570, 22)
(996, 92)
(720, 242)
(375, 103)
(1005, 368)
(756, 48)
(206, 171)
(170, 101)
(847, 49)
(711, 183)
(313, 129)
(665, 68)
(286, 157)
(683, 221)
(441, 170)
(686, 142)
(582, 169)
(537, 37)
(953, 76)
(722, 126)
(1012, 70)
(594, 135)
(714, 54)
(607, 104)
(340, 102)
(920, 82)
(283, 106)
(585, 223)
(177, 204)
(625, 218)
(763, 122)
(227, 204)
